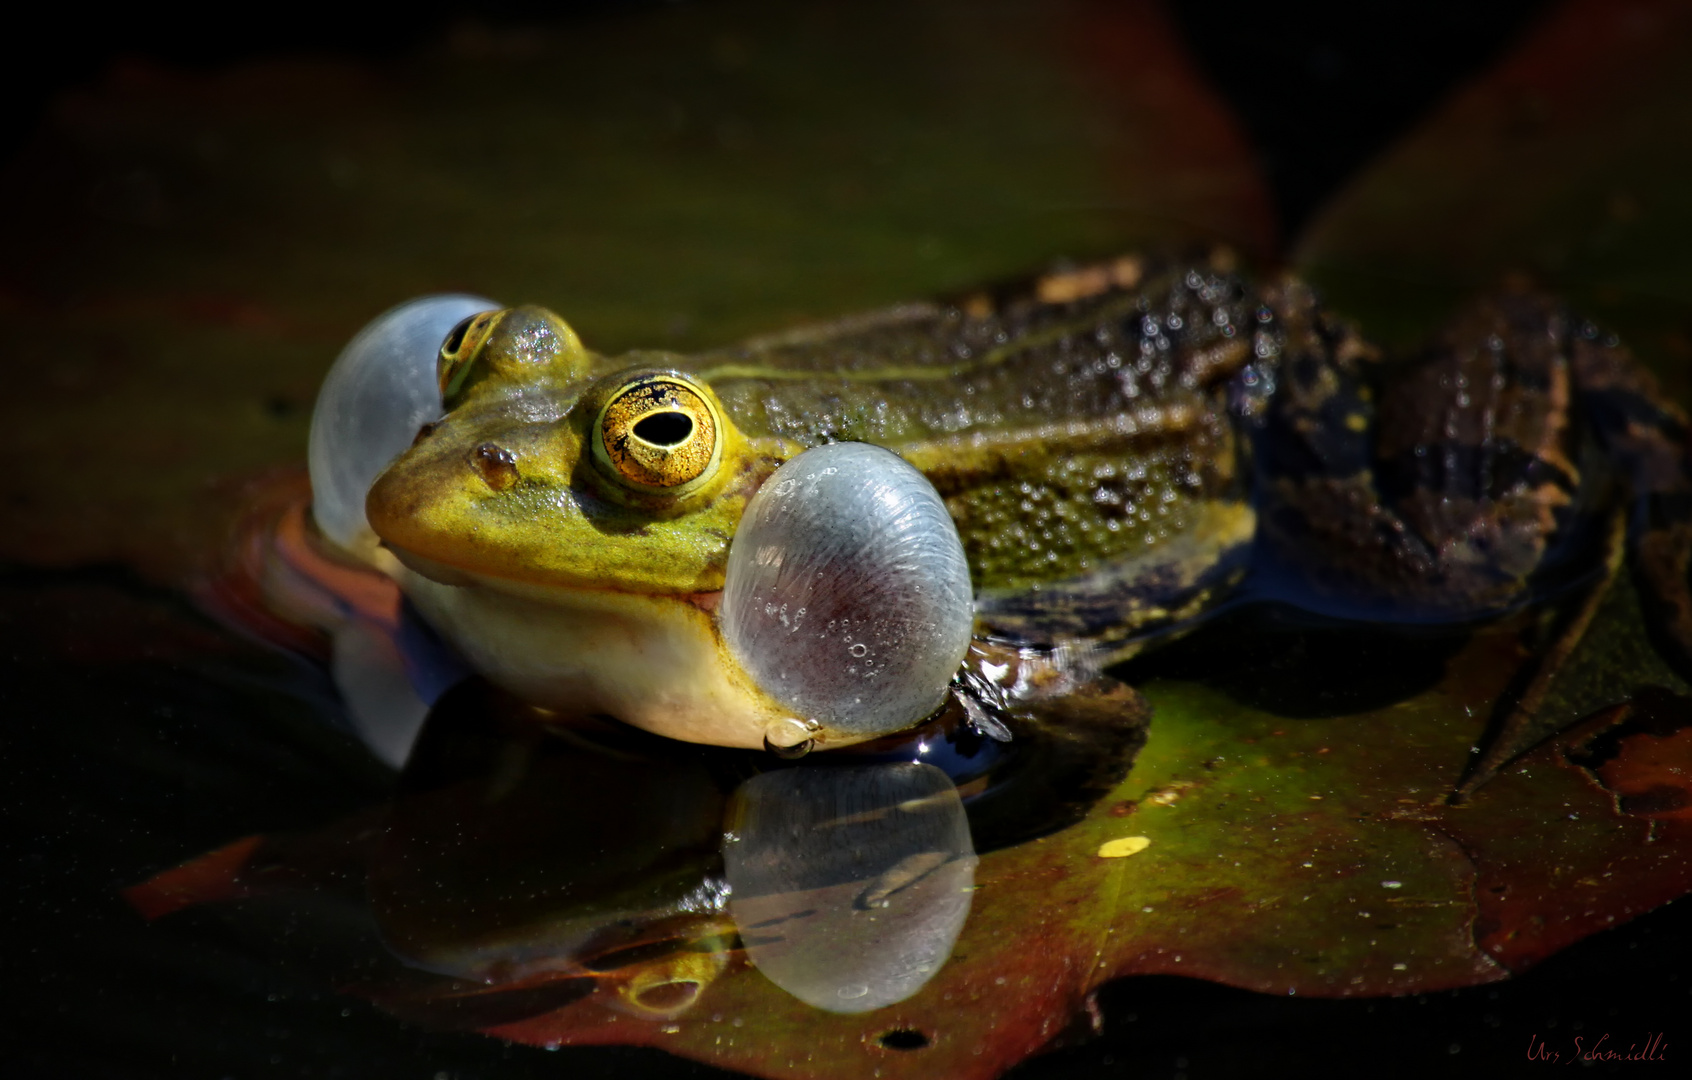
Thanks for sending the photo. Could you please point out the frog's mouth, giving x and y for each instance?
(447, 574)
(656, 661)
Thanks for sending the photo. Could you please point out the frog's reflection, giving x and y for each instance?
(849, 884)
(532, 863)
(523, 851)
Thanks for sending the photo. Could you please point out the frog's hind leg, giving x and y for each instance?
(1321, 516)
(1473, 486)
(1645, 439)
(1440, 501)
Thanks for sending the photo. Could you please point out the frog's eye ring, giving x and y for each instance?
(457, 357)
(660, 433)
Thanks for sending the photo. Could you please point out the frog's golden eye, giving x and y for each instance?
(660, 434)
(457, 358)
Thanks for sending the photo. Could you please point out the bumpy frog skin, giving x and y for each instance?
(1115, 443)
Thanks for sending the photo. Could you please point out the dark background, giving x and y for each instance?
(1319, 88)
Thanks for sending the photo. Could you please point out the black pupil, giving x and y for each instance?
(455, 337)
(664, 428)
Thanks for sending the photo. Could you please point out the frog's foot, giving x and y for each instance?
(1077, 733)
(1647, 438)
(1521, 721)
(1485, 477)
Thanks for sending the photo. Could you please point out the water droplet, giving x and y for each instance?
(788, 738)
(788, 753)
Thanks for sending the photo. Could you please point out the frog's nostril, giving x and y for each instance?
(664, 428)
(496, 464)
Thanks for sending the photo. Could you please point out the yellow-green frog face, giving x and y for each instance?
(567, 524)
(556, 468)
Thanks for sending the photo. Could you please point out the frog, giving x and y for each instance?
(1124, 446)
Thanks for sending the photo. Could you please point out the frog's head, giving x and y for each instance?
(568, 524)
(554, 468)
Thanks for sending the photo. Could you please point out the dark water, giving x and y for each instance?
(135, 730)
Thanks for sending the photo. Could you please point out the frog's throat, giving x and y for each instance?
(655, 662)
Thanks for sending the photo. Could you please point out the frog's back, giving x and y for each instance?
(1080, 427)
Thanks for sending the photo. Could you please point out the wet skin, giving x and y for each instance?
(1118, 444)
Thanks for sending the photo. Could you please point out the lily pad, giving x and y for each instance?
(1311, 855)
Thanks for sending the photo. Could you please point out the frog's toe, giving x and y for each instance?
(381, 389)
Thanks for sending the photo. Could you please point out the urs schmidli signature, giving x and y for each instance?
(1602, 1049)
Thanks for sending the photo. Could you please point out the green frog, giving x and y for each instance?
(1123, 447)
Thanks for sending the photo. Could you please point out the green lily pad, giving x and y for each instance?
(1312, 857)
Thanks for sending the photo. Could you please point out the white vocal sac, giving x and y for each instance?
(847, 595)
(379, 391)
